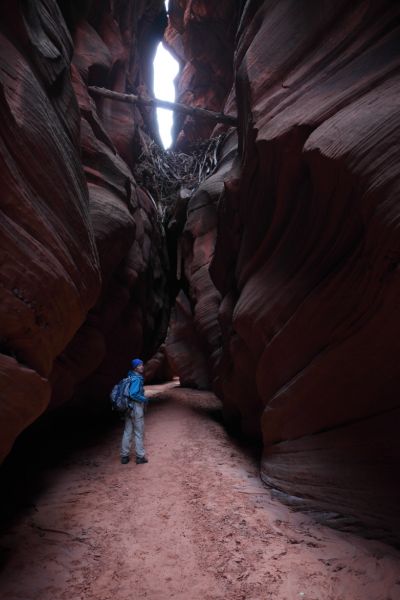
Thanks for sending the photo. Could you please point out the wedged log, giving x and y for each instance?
(199, 113)
(307, 253)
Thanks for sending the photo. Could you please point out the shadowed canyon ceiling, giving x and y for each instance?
(288, 254)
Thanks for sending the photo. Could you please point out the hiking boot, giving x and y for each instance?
(124, 460)
(140, 460)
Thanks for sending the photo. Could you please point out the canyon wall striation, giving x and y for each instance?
(201, 36)
(84, 262)
(302, 257)
(288, 254)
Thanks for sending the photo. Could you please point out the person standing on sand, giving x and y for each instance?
(134, 416)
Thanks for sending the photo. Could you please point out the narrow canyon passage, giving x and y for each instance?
(194, 523)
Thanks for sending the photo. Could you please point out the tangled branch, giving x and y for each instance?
(172, 175)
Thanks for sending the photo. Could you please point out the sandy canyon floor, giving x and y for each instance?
(195, 523)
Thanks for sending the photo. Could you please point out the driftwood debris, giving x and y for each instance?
(169, 175)
(202, 113)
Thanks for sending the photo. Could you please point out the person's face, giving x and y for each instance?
(140, 369)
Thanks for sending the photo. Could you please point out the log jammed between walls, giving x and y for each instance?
(201, 113)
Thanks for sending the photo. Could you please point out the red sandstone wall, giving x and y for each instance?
(201, 35)
(304, 254)
(296, 324)
(194, 338)
(83, 277)
(308, 252)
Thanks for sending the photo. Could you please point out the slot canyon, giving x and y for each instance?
(260, 289)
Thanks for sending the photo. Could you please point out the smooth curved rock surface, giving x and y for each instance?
(307, 254)
(302, 248)
(50, 274)
(193, 343)
(18, 383)
(296, 322)
(114, 48)
(131, 314)
(200, 34)
(158, 369)
(184, 346)
(84, 264)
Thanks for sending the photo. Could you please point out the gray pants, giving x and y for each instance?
(134, 424)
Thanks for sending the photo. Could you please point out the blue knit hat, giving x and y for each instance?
(136, 362)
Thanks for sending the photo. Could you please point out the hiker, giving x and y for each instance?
(134, 416)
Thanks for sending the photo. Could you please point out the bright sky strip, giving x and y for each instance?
(166, 69)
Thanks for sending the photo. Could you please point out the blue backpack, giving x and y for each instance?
(120, 395)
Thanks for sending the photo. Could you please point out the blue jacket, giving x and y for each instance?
(136, 390)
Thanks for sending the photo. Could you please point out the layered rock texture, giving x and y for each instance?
(303, 252)
(289, 258)
(194, 337)
(84, 266)
(201, 36)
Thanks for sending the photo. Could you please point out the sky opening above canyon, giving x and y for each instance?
(166, 69)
